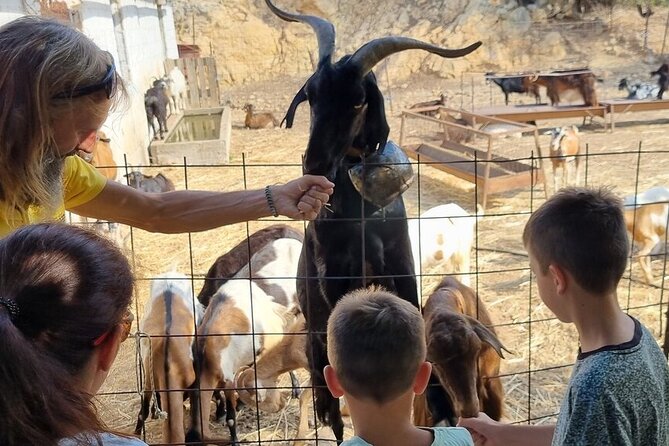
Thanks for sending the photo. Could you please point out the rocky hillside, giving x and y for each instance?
(251, 44)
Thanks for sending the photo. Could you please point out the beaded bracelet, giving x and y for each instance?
(270, 201)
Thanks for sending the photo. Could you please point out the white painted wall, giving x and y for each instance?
(12, 9)
(140, 38)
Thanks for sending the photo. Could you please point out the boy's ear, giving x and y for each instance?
(422, 377)
(559, 277)
(333, 382)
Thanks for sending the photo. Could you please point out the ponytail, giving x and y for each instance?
(40, 402)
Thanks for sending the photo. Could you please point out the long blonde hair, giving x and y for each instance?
(40, 59)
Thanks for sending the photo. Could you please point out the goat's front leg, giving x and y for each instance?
(231, 414)
(555, 180)
(303, 424)
(492, 394)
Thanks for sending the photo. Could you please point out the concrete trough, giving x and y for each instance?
(202, 136)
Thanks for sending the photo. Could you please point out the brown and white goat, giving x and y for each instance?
(258, 120)
(465, 353)
(169, 322)
(229, 264)
(244, 317)
(559, 82)
(646, 220)
(564, 152)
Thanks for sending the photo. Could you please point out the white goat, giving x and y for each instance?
(244, 317)
(176, 84)
(565, 148)
(169, 321)
(639, 90)
(443, 234)
(646, 217)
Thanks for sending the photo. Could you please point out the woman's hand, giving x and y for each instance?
(303, 197)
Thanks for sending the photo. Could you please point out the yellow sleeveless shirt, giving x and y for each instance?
(81, 183)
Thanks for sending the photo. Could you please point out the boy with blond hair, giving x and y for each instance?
(376, 349)
(618, 393)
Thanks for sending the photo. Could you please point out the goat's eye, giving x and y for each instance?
(359, 106)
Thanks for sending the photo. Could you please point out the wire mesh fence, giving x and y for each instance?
(542, 350)
(534, 374)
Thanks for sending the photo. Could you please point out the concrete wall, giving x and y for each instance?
(140, 35)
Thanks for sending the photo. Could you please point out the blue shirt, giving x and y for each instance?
(443, 436)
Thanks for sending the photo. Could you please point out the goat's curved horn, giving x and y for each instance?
(299, 98)
(373, 52)
(533, 77)
(325, 32)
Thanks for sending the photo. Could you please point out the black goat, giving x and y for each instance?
(663, 81)
(514, 84)
(155, 103)
(354, 243)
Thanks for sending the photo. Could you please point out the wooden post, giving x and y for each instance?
(542, 167)
(664, 39)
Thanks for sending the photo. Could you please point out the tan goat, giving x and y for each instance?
(286, 356)
(646, 220)
(103, 158)
(565, 150)
(169, 322)
(259, 120)
(465, 353)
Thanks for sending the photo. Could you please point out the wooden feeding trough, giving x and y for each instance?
(447, 150)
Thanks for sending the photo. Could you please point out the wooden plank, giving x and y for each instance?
(168, 65)
(192, 84)
(212, 81)
(454, 163)
(624, 106)
(202, 84)
(524, 114)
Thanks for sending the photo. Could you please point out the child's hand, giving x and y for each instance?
(482, 428)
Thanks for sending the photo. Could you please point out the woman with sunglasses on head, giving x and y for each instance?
(64, 297)
(57, 88)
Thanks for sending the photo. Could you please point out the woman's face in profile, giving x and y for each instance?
(76, 129)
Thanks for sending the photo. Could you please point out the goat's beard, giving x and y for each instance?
(52, 178)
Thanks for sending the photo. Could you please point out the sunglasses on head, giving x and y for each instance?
(108, 84)
(126, 325)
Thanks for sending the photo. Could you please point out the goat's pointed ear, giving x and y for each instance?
(486, 335)
(376, 125)
(299, 98)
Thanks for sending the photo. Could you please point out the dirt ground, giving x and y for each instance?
(536, 370)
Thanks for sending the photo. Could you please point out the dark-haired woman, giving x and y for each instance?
(64, 297)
